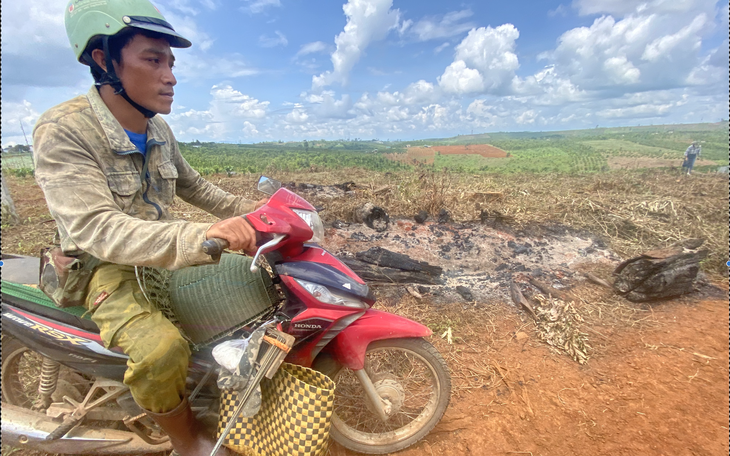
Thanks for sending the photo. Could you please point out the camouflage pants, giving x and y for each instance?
(158, 354)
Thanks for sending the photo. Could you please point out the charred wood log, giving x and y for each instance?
(659, 274)
(385, 258)
(381, 265)
(372, 273)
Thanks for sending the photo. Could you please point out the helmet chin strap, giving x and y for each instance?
(110, 77)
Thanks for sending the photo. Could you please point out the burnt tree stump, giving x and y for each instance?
(658, 274)
(381, 265)
(373, 216)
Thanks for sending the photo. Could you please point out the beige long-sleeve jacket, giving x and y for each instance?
(109, 201)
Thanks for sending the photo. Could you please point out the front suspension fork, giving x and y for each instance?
(382, 407)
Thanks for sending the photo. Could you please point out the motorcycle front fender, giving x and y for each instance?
(349, 347)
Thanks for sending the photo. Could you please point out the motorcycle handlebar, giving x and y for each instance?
(214, 246)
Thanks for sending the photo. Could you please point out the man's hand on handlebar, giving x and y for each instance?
(237, 231)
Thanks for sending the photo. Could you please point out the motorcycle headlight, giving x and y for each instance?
(328, 296)
(315, 223)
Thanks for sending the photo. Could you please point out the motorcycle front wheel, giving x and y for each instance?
(410, 376)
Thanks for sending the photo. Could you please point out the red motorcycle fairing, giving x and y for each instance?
(316, 254)
(317, 265)
(350, 345)
(316, 325)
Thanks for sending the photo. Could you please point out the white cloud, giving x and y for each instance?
(33, 25)
(713, 70)
(194, 67)
(188, 27)
(269, 41)
(527, 117)
(718, 57)
(434, 117)
(441, 47)
(330, 107)
(185, 6)
(377, 72)
(312, 48)
(305, 58)
(420, 92)
(621, 71)
(227, 111)
(489, 49)
(484, 61)
(34, 40)
(625, 7)
(639, 52)
(228, 101)
(484, 114)
(259, 6)
(459, 79)
(249, 129)
(644, 110)
(559, 11)
(13, 116)
(547, 88)
(433, 27)
(297, 115)
(367, 21)
(687, 36)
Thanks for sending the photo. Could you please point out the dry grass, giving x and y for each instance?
(633, 211)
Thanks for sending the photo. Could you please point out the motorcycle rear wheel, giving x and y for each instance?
(21, 373)
(411, 375)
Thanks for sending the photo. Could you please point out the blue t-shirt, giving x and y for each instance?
(139, 140)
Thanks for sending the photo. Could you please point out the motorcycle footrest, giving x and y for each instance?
(68, 423)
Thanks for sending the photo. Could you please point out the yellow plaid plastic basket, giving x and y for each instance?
(294, 419)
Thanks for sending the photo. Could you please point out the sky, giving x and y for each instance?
(289, 70)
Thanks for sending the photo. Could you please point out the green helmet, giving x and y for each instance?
(86, 19)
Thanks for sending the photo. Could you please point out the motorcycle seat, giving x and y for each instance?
(33, 300)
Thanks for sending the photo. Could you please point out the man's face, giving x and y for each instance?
(146, 72)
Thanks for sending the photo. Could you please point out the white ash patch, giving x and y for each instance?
(475, 256)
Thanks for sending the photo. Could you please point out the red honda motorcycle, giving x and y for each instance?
(62, 390)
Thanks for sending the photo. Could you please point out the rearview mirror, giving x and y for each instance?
(268, 185)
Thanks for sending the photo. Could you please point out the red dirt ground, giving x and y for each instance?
(485, 150)
(661, 390)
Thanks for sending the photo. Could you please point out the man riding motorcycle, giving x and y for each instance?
(109, 167)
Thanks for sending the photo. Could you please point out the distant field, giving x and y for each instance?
(649, 162)
(414, 156)
(485, 150)
(17, 161)
(624, 148)
(584, 151)
(576, 151)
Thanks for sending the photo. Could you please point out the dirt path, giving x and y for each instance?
(661, 390)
